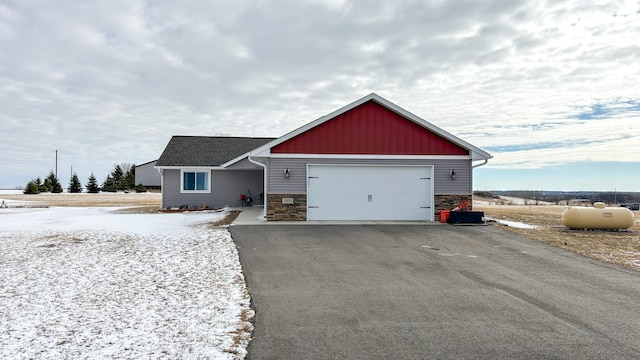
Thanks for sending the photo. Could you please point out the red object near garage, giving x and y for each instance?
(444, 215)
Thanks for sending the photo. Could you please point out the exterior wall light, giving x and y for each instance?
(452, 173)
(287, 173)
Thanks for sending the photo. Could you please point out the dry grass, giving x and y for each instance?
(151, 199)
(622, 248)
(616, 247)
(244, 331)
(230, 218)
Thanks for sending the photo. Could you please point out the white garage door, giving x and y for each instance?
(357, 192)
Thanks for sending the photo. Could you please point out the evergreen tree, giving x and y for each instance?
(130, 179)
(109, 184)
(33, 186)
(39, 184)
(74, 184)
(46, 185)
(54, 184)
(140, 188)
(92, 185)
(118, 178)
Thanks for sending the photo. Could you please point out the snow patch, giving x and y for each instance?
(91, 283)
(11, 191)
(515, 224)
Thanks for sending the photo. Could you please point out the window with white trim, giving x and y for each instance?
(194, 181)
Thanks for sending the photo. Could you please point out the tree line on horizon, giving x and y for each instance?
(609, 197)
(121, 178)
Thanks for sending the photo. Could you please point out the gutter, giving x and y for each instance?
(264, 198)
(478, 165)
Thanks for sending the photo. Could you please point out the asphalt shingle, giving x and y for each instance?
(206, 150)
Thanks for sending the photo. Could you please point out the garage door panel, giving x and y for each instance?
(354, 213)
(369, 192)
(365, 199)
(340, 199)
(406, 199)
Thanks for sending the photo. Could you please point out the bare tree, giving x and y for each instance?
(126, 167)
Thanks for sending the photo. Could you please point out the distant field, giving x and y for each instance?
(148, 199)
(622, 248)
(616, 247)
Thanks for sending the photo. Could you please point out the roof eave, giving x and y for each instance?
(177, 167)
(473, 150)
(235, 160)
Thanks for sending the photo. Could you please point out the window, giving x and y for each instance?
(195, 181)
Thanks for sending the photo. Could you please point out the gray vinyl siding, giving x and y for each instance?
(147, 175)
(226, 187)
(244, 164)
(297, 182)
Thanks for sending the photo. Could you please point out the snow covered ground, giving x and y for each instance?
(93, 283)
(515, 224)
(510, 200)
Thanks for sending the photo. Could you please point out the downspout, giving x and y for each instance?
(264, 198)
(473, 167)
(161, 172)
(478, 165)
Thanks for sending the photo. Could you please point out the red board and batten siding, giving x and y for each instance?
(369, 129)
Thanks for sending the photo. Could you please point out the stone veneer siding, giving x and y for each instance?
(449, 202)
(277, 211)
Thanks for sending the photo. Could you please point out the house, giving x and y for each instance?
(369, 160)
(210, 170)
(147, 175)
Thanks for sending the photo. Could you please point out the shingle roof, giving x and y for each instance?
(206, 150)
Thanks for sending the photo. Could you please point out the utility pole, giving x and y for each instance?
(56, 163)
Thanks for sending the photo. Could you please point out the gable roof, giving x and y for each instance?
(369, 129)
(474, 152)
(206, 150)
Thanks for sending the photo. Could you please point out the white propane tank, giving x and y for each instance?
(598, 217)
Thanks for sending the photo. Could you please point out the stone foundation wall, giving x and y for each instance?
(279, 211)
(448, 202)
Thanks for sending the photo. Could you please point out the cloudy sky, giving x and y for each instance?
(550, 88)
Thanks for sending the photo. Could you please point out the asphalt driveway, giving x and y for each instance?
(431, 292)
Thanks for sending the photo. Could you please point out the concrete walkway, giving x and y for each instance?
(250, 215)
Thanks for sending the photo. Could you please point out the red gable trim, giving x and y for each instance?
(369, 129)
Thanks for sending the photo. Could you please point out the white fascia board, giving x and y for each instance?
(483, 156)
(370, 156)
(188, 167)
(261, 153)
(235, 160)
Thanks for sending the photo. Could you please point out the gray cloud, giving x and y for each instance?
(108, 82)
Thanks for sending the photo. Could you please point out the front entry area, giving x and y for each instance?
(369, 192)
